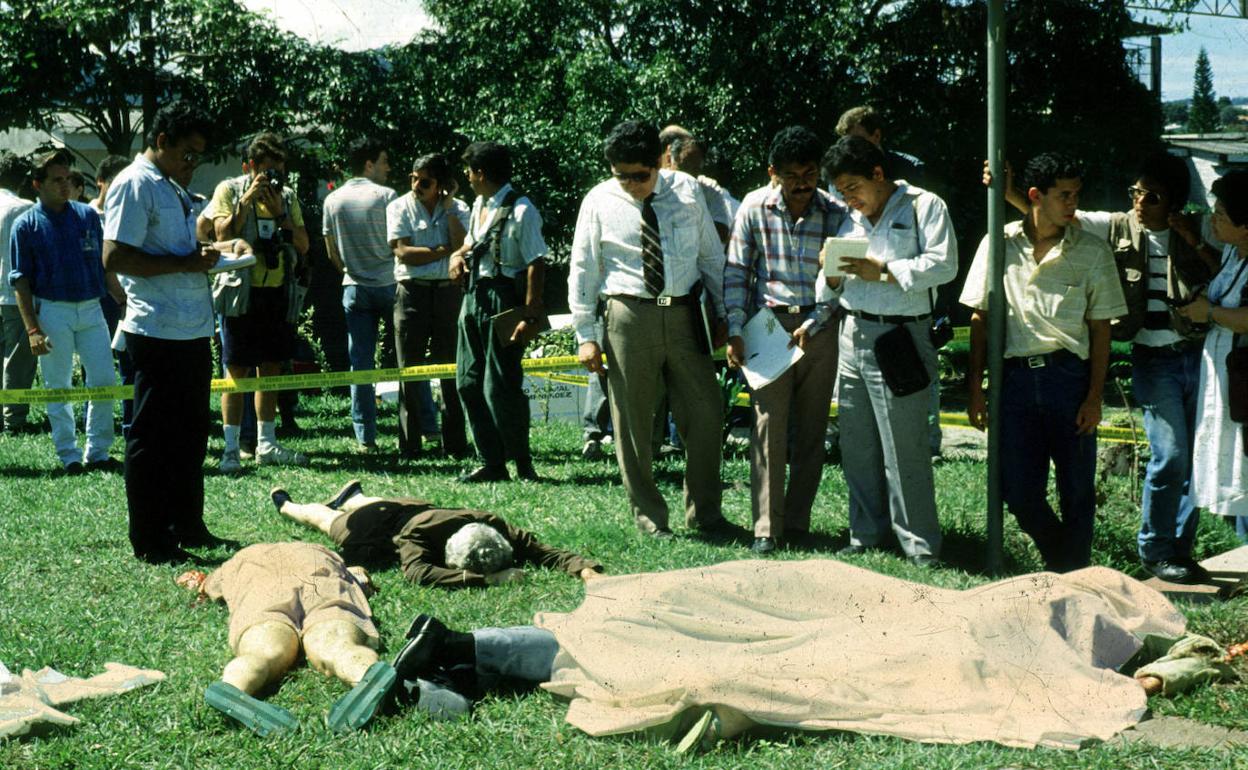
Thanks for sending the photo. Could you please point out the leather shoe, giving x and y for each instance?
(764, 545)
(486, 473)
(348, 491)
(925, 560)
(526, 471)
(419, 657)
(1177, 570)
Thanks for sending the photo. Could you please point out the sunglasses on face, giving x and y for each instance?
(1149, 197)
(636, 177)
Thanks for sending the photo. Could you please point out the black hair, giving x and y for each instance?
(437, 166)
(1043, 171)
(1231, 189)
(14, 171)
(852, 155)
(266, 146)
(633, 142)
(794, 144)
(491, 159)
(177, 121)
(361, 151)
(45, 162)
(1170, 172)
(110, 167)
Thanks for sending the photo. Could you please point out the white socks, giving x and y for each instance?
(268, 434)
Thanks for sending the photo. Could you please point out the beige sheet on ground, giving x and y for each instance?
(822, 645)
(27, 701)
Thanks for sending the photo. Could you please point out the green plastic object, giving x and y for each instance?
(357, 708)
(262, 718)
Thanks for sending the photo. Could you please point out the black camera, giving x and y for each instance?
(277, 178)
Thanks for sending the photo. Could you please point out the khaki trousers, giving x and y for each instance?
(647, 345)
(794, 405)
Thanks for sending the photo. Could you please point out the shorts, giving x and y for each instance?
(261, 335)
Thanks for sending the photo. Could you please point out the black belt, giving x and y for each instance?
(660, 301)
(1040, 361)
(888, 319)
(429, 281)
(791, 309)
(1182, 346)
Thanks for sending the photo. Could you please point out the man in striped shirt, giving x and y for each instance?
(355, 238)
(773, 261)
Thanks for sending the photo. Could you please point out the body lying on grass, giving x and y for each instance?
(448, 547)
(1041, 659)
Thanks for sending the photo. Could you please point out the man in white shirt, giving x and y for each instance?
(503, 249)
(20, 363)
(425, 227)
(354, 225)
(1061, 292)
(645, 242)
(149, 241)
(911, 251)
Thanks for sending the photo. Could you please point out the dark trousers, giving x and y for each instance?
(167, 442)
(1038, 410)
(426, 325)
(489, 380)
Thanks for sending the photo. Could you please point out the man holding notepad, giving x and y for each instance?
(773, 263)
(886, 296)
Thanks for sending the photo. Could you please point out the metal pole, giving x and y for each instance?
(996, 269)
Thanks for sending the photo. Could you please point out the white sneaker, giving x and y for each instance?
(230, 463)
(276, 454)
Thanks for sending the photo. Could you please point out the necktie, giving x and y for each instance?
(651, 249)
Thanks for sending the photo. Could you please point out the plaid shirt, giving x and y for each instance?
(783, 255)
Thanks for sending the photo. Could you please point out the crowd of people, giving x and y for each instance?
(666, 266)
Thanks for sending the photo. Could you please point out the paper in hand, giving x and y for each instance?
(767, 351)
(836, 249)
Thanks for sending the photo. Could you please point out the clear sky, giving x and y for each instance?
(363, 24)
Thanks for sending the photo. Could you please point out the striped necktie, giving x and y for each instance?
(651, 249)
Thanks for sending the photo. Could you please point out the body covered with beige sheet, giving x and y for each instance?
(822, 645)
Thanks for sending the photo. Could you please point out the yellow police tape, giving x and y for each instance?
(545, 367)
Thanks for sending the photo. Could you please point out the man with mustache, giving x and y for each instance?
(911, 250)
(773, 261)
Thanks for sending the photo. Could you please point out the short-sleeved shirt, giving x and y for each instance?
(407, 217)
(224, 200)
(150, 212)
(521, 241)
(1048, 304)
(355, 215)
(59, 252)
(11, 207)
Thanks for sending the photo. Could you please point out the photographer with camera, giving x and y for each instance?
(259, 305)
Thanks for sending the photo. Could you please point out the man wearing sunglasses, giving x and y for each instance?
(1163, 263)
(644, 242)
(257, 332)
(149, 241)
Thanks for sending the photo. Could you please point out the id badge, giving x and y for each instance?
(266, 228)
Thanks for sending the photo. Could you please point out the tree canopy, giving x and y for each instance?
(1203, 114)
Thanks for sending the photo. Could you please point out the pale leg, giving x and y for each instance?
(341, 649)
(265, 652)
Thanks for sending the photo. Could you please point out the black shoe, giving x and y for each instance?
(289, 429)
(800, 538)
(486, 473)
(74, 469)
(420, 657)
(925, 560)
(852, 550)
(1177, 570)
(280, 497)
(107, 465)
(526, 471)
(764, 545)
(348, 491)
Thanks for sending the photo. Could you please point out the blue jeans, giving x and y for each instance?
(1166, 385)
(365, 307)
(1038, 410)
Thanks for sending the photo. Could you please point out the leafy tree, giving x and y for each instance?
(109, 65)
(1203, 114)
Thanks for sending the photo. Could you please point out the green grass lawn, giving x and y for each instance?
(72, 597)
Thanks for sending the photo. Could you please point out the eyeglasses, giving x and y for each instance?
(1149, 197)
(636, 177)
